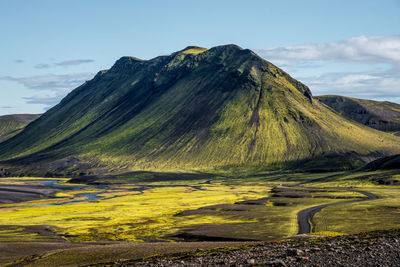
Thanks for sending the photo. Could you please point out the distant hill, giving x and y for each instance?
(196, 109)
(391, 162)
(10, 125)
(384, 116)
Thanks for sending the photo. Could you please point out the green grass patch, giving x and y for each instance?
(379, 214)
(193, 50)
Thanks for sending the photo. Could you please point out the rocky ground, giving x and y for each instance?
(367, 249)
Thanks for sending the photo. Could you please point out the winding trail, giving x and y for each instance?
(304, 217)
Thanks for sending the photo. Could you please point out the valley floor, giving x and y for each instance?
(92, 223)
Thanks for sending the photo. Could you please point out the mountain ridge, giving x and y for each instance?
(380, 115)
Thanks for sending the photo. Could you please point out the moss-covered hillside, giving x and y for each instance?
(10, 125)
(195, 109)
(384, 116)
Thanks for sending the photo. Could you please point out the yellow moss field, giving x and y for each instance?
(378, 214)
(148, 212)
(131, 215)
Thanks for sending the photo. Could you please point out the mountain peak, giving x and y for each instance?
(233, 48)
(125, 62)
(195, 50)
(130, 59)
(228, 47)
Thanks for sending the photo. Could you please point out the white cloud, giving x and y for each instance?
(51, 81)
(372, 85)
(66, 63)
(318, 61)
(365, 49)
(75, 62)
(42, 66)
(49, 99)
(50, 88)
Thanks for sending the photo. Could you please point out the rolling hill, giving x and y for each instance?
(10, 125)
(196, 109)
(384, 116)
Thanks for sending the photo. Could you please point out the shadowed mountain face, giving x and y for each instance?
(196, 109)
(391, 162)
(10, 125)
(384, 116)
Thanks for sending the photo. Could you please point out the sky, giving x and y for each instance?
(49, 47)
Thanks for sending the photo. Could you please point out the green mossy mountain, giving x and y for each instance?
(384, 116)
(11, 125)
(195, 109)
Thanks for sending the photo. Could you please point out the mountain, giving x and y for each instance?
(11, 125)
(195, 109)
(384, 116)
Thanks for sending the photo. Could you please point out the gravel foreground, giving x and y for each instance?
(367, 249)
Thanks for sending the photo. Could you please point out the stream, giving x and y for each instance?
(87, 197)
(53, 184)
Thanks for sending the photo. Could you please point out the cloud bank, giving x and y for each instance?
(51, 82)
(50, 88)
(66, 63)
(75, 62)
(374, 49)
(358, 52)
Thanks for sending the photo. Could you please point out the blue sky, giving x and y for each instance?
(49, 47)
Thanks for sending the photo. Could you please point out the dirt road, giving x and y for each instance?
(304, 217)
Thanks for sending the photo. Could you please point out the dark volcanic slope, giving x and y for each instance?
(384, 116)
(10, 125)
(391, 162)
(194, 109)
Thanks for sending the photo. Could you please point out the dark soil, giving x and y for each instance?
(21, 193)
(367, 249)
